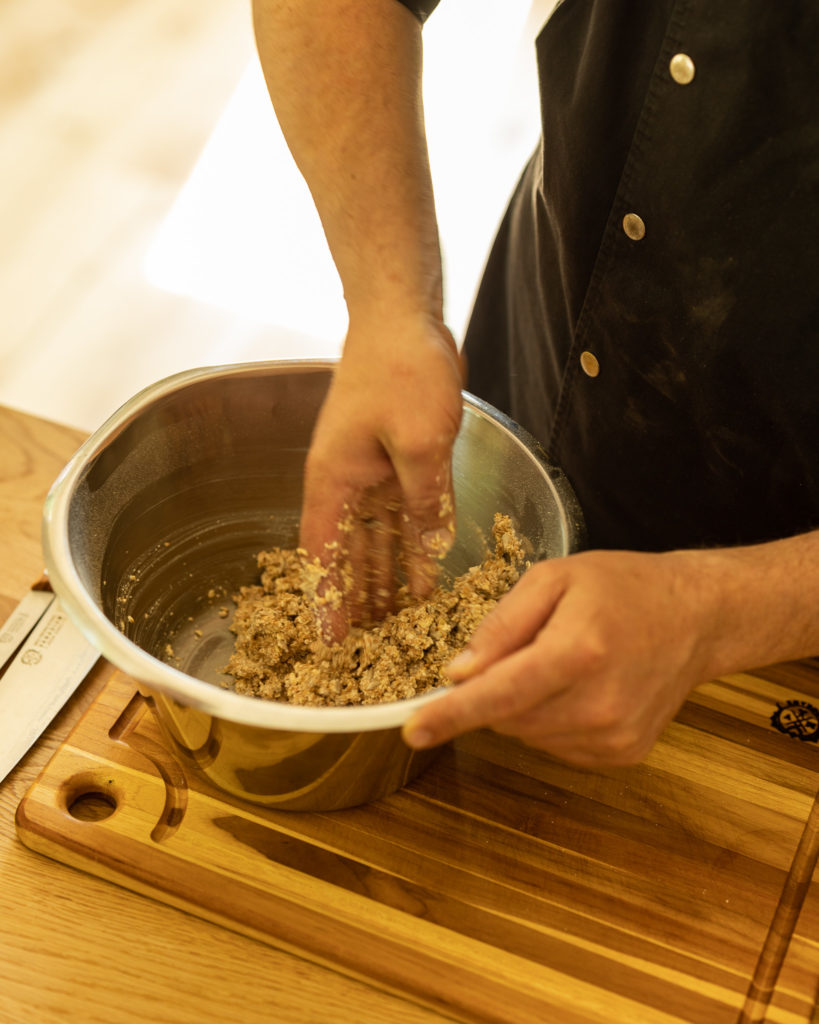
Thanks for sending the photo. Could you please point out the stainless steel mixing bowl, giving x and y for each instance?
(156, 520)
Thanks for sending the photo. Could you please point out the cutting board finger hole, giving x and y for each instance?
(92, 807)
(90, 797)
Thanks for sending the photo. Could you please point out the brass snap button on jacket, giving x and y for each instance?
(682, 68)
(634, 226)
(589, 364)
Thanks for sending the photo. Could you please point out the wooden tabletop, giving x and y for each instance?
(673, 887)
(75, 948)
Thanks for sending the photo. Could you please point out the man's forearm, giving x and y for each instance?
(345, 80)
(764, 600)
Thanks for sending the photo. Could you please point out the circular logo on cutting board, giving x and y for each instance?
(797, 718)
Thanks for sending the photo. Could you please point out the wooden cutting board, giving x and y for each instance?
(501, 886)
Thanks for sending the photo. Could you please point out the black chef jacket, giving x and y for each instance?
(650, 308)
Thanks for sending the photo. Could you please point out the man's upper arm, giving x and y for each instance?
(420, 8)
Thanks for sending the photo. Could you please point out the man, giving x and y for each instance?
(649, 311)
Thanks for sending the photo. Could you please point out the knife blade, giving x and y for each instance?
(52, 662)
(24, 618)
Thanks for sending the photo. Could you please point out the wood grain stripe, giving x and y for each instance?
(784, 921)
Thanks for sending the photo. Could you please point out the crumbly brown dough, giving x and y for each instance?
(279, 655)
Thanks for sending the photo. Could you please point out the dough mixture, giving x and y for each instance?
(279, 654)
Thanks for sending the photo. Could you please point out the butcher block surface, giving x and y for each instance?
(501, 885)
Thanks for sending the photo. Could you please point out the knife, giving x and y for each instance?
(24, 618)
(52, 660)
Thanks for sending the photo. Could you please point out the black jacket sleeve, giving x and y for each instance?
(420, 8)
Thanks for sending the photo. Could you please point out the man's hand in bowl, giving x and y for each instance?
(378, 478)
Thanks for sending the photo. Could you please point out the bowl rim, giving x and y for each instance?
(157, 675)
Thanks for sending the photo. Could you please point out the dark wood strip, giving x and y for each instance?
(784, 921)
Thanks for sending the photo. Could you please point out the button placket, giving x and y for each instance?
(682, 70)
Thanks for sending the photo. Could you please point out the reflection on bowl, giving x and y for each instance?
(157, 519)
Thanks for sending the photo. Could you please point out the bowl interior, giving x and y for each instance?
(174, 497)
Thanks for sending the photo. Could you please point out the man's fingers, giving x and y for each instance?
(513, 623)
(324, 517)
(323, 508)
(420, 568)
(427, 536)
(379, 527)
(354, 557)
(355, 537)
(504, 691)
(424, 473)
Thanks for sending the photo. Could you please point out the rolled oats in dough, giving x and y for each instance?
(279, 655)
